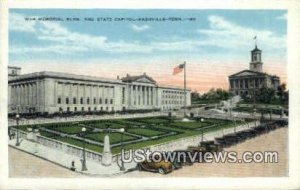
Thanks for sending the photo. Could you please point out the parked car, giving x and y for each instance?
(221, 141)
(184, 157)
(211, 146)
(251, 133)
(243, 135)
(200, 151)
(232, 139)
(176, 163)
(162, 167)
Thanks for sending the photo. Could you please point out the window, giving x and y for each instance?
(101, 108)
(111, 101)
(68, 109)
(95, 108)
(94, 100)
(100, 101)
(75, 109)
(74, 101)
(106, 101)
(60, 109)
(89, 108)
(59, 100)
(82, 108)
(106, 108)
(67, 100)
(81, 100)
(88, 100)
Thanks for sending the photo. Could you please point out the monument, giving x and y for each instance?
(107, 156)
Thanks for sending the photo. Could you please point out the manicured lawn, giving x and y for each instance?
(192, 124)
(69, 129)
(104, 125)
(113, 137)
(157, 120)
(145, 132)
(159, 126)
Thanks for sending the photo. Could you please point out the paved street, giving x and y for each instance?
(274, 141)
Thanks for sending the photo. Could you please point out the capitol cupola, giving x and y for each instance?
(256, 64)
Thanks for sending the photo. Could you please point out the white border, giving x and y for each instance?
(293, 42)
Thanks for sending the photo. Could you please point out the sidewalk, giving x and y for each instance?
(64, 159)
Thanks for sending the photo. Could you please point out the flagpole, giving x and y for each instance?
(184, 81)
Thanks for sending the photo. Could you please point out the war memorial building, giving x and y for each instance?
(52, 92)
(246, 82)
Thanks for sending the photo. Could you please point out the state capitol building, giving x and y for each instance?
(247, 82)
(52, 92)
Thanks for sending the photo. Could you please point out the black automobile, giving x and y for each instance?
(211, 146)
(232, 139)
(251, 133)
(243, 135)
(221, 141)
(184, 157)
(260, 130)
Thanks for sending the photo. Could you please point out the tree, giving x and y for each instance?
(265, 95)
(282, 93)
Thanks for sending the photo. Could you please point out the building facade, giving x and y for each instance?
(52, 92)
(247, 82)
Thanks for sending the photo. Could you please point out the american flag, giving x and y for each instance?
(178, 69)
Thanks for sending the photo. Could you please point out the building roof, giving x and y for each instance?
(251, 73)
(173, 87)
(255, 49)
(59, 75)
(13, 67)
(139, 78)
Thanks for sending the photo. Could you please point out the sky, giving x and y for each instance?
(114, 42)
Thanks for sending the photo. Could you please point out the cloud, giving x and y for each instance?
(221, 33)
(228, 35)
(17, 23)
(282, 17)
(140, 28)
(61, 40)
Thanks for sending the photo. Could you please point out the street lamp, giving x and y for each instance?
(202, 129)
(17, 120)
(122, 130)
(234, 119)
(84, 168)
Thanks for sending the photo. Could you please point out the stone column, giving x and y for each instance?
(133, 94)
(131, 97)
(143, 95)
(29, 94)
(151, 96)
(146, 95)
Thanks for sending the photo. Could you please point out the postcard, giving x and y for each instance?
(150, 96)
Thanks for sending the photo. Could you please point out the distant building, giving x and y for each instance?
(13, 72)
(246, 82)
(50, 92)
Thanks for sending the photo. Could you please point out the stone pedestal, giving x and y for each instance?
(107, 156)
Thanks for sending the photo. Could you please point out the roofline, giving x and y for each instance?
(173, 88)
(261, 73)
(13, 67)
(59, 75)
